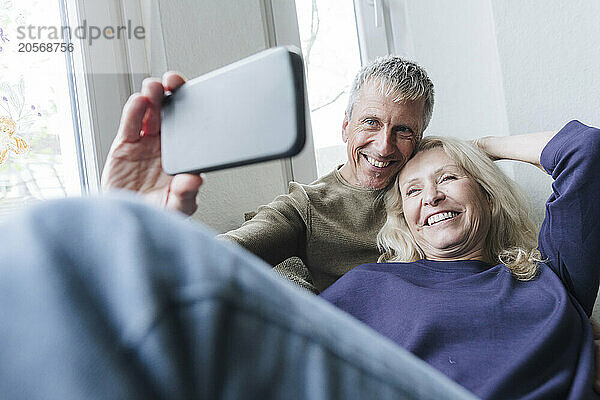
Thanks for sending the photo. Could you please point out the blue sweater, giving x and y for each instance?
(499, 337)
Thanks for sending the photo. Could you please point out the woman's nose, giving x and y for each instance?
(433, 196)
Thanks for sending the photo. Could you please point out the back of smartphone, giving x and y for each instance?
(246, 112)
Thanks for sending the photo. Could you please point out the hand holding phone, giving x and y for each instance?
(134, 160)
(247, 112)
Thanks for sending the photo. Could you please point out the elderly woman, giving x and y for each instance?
(464, 284)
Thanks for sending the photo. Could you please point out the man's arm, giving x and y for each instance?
(134, 161)
(278, 230)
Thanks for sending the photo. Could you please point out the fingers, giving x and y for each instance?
(131, 120)
(172, 81)
(141, 113)
(153, 90)
(182, 196)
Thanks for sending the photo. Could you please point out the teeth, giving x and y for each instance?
(441, 216)
(376, 163)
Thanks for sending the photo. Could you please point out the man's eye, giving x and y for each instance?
(371, 122)
(405, 132)
(446, 178)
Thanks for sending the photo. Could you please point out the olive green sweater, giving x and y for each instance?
(330, 225)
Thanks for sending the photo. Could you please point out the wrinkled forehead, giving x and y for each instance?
(381, 101)
(425, 163)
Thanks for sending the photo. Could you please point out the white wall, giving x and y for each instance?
(505, 67)
(550, 62)
(199, 36)
(455, 42)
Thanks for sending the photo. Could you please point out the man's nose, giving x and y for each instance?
(385, 143)
(432, 195)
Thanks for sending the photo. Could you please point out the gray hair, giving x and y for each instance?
(512, 238)
(396, 77)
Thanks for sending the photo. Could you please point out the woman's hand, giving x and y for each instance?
(527, 148)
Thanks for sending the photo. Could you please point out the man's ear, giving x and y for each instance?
(345, 128)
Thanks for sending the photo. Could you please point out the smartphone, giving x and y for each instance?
(250, 111)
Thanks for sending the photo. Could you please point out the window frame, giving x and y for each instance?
(372, 22)
(101, 73)
(281, 28)
(95, 91)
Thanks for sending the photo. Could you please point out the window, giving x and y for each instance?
(331, 53)
(56, 80)
(337, 37)
(38, 154)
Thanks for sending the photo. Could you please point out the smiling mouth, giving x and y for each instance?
(440, 217)
(375, 163)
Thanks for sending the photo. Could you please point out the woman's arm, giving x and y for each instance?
(527, 147)
(569, 237)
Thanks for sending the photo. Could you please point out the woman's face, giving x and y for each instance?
(446, 210)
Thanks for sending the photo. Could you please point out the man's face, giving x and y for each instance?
(381, 136)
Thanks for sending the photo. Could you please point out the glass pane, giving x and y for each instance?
(330, 49)
(38, 158)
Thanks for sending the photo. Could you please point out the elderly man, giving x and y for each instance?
(330, 224)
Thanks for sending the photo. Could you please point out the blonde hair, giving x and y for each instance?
(512, 237)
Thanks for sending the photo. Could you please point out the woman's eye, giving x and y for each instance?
(411, 191)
